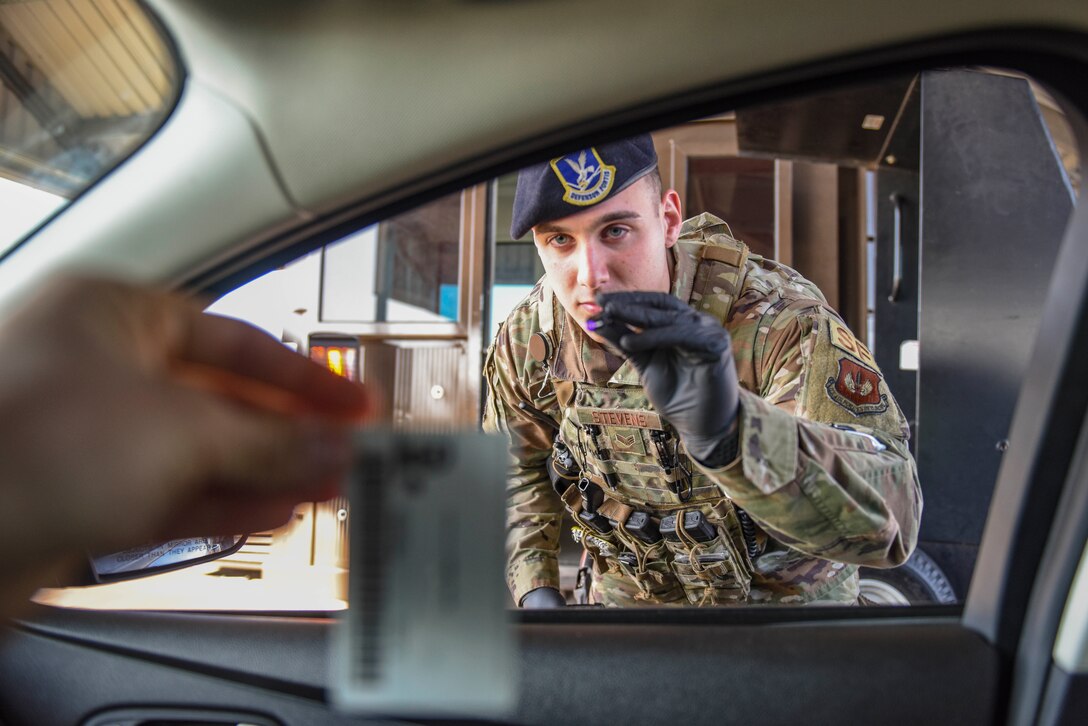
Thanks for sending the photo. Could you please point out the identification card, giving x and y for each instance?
(426, 631)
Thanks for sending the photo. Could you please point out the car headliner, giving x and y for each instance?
(293, 111)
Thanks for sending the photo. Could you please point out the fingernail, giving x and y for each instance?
(596, 322)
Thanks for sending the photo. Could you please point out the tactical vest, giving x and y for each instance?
(687, 543)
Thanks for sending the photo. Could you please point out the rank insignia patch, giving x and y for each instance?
(627, 441)
(586, 179)
(857, 389)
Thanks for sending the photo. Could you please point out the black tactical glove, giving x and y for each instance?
(686, 365)
(543, 598)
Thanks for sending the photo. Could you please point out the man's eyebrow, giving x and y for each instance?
(617, 216)
(547, 228)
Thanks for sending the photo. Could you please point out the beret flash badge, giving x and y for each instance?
(586, 179)
(857, 389)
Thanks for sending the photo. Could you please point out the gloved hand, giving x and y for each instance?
(543, 598)
(685, 362)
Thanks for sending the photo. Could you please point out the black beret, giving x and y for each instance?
(569, 184)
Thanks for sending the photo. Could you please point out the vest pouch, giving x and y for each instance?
(572, 499)
(638, 573)
(711, 572)
(596, 545)
(638, 578)
(729, 524)
(601, 548)
(562, 468)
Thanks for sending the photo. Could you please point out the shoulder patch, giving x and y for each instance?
(844, 340)
(857, 389)
(586, 179)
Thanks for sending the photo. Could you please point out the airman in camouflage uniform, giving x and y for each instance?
(822, 480)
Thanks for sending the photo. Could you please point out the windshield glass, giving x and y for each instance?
(82, 84)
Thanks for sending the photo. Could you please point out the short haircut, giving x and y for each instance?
(656, 186)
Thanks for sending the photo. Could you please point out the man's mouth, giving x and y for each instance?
(589, 307)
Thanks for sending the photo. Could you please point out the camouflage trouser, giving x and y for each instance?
(845, 593)
(615, 589)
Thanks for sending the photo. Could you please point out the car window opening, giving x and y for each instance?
(874, 193)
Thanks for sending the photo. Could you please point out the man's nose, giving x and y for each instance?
(592, 266)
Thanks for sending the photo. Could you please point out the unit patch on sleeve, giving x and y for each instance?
(843, 339)
(857, 389)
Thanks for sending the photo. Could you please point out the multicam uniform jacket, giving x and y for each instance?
(823, 481)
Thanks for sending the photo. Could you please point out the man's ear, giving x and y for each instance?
(671, 216)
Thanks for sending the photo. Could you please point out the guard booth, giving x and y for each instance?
(975, 228)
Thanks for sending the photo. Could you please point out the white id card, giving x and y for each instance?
(426, 631)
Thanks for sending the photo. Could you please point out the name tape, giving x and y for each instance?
(619, 417)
